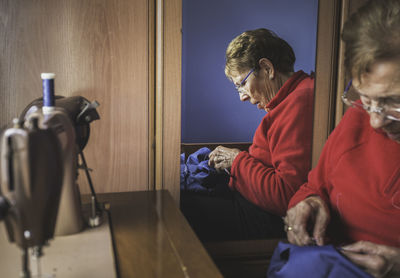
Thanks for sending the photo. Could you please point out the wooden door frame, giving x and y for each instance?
(329, 83)
(168, 67)
(328, 35)
(331, 78)
(168, 86)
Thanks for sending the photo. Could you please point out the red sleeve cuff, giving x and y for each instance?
(235, 168)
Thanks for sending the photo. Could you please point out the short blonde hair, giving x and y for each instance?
(372, 34)
(248, 48)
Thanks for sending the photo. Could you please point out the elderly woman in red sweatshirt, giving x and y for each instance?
(260, 65)
(353, 195)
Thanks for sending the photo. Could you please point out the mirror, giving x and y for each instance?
(211, 109)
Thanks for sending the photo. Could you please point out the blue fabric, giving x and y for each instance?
(198, 177)
(294, 261)
(195, 171)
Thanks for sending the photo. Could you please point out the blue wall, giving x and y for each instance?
(211, 109)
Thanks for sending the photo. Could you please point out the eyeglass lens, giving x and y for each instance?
(244, 80)
(351, 97)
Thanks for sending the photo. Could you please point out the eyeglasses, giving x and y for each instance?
(240, 86)
(390, 109)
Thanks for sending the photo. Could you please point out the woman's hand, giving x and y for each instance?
(222, 158)
(378, 260)
(311, 211)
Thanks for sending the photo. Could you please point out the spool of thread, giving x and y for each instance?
(48, 91)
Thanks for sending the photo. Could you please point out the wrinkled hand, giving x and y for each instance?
(222, 158)
(310, 215)
(378, 260)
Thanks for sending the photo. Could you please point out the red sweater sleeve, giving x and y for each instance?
(280, 157)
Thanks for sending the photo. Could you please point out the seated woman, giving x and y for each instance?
(260, 64)
(353, 195)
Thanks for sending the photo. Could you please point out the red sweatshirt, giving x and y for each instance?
(279, 159)
(358, 176)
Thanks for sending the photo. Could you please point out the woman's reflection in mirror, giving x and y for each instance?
(263, 179)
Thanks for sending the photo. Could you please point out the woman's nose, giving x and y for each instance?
(244, 97)
(377, 120)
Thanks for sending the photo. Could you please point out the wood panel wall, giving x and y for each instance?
(98, 49)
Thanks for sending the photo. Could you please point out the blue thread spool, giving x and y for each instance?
(48, 91)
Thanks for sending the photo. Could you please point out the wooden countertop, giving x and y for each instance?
(152, 238)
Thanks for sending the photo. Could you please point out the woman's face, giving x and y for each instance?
(381, 87)
(258, 89)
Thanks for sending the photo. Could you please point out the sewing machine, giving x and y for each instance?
(39, 197)
(39, 162)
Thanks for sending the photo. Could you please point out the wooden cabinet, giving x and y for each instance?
(104, 50)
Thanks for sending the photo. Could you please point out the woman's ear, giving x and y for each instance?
(265, 64)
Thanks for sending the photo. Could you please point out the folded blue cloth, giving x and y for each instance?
(195, 171)
(294, 261)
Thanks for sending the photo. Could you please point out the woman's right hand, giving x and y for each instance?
(222, 158)
(311, 211)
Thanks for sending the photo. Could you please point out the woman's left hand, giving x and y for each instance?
(222, 158)
(376, 259)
